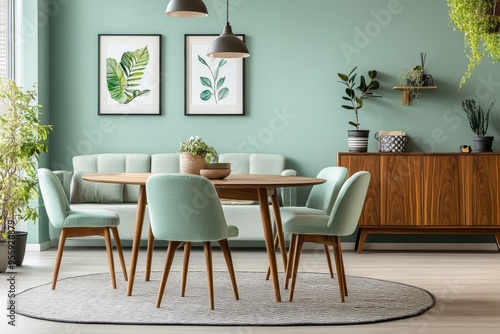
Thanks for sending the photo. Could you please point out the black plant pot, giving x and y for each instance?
(483, 144)
(357, 140)
(20, 246)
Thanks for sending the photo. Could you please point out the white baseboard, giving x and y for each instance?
(373, 246)
(38, 247)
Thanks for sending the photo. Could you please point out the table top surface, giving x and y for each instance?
(232, 181)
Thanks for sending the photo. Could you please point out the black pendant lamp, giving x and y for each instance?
(228, 45)
(186, 8)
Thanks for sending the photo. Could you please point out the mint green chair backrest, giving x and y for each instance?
(184, 207)
(54, 198)
(323, 196)
(349, 204)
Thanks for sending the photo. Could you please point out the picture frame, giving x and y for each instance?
(140, 55)
(213, 86)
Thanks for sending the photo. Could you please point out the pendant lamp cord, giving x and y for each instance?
(227, 12)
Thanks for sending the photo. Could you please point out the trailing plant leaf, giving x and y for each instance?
(474, 18)
(122, 78)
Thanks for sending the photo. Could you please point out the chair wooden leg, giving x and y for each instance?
(118, 244)
(291, 257)
(207, 247)
(109, 250)
(172, 247)
(224, 245)
(338, 264)
(60, 250)
(185, 266)
(328, 260)
(296, 260)
(341, 256)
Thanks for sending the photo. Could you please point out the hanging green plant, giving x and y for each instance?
(476, 19)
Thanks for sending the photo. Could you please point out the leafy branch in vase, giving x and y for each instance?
(216, 90)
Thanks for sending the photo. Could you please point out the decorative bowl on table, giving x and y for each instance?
(216, 170)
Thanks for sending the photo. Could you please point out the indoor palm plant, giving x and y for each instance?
(22, 140)
(478, 121)
(478, 21)
(194, 152)
(358, 139)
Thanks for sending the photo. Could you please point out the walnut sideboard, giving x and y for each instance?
(428, 193)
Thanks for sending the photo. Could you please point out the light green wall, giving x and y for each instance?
(35, 69)
(297, 48)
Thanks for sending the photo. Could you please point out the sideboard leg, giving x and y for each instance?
(362, 238)
(497, 239)
(356, 244)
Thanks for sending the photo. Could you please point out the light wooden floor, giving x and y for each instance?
(465, 284)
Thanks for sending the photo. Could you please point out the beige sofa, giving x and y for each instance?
(123, 198)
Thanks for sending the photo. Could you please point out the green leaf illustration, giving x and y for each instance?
(206, 95)
(220, 82)
(122, 78)
(223, 93)
(206, 82)
(202, 61)
(215, 84)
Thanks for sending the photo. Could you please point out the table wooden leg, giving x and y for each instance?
(149, 256)
(139, 221)
(279, 229)
(268, 235)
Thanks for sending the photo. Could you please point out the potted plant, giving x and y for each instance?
(413, 79)
(479, 21)
(194, 152)
(357, 139)
(22, 140)
(478, 121)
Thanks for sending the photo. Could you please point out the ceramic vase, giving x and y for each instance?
(191, 164)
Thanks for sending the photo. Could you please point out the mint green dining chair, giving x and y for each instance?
(320, 201)
(327, 229)
(185, 208)
(78, 223)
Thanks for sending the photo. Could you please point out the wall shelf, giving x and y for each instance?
(406, 92)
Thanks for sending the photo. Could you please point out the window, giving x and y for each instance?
(6, 37)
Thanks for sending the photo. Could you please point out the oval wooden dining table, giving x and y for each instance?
(256, 187)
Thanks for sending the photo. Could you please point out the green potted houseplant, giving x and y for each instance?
(193, 154)
(357, 139)
(416, 77)
(22, 140)
(479, 21)
(478, 121)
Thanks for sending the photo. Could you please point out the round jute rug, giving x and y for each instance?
(91, 299)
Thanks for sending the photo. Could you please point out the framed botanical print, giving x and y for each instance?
(213, 86)
(129, 74)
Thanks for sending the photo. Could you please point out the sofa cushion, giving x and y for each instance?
(165, 163)
(254, 163)
(91, 192)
